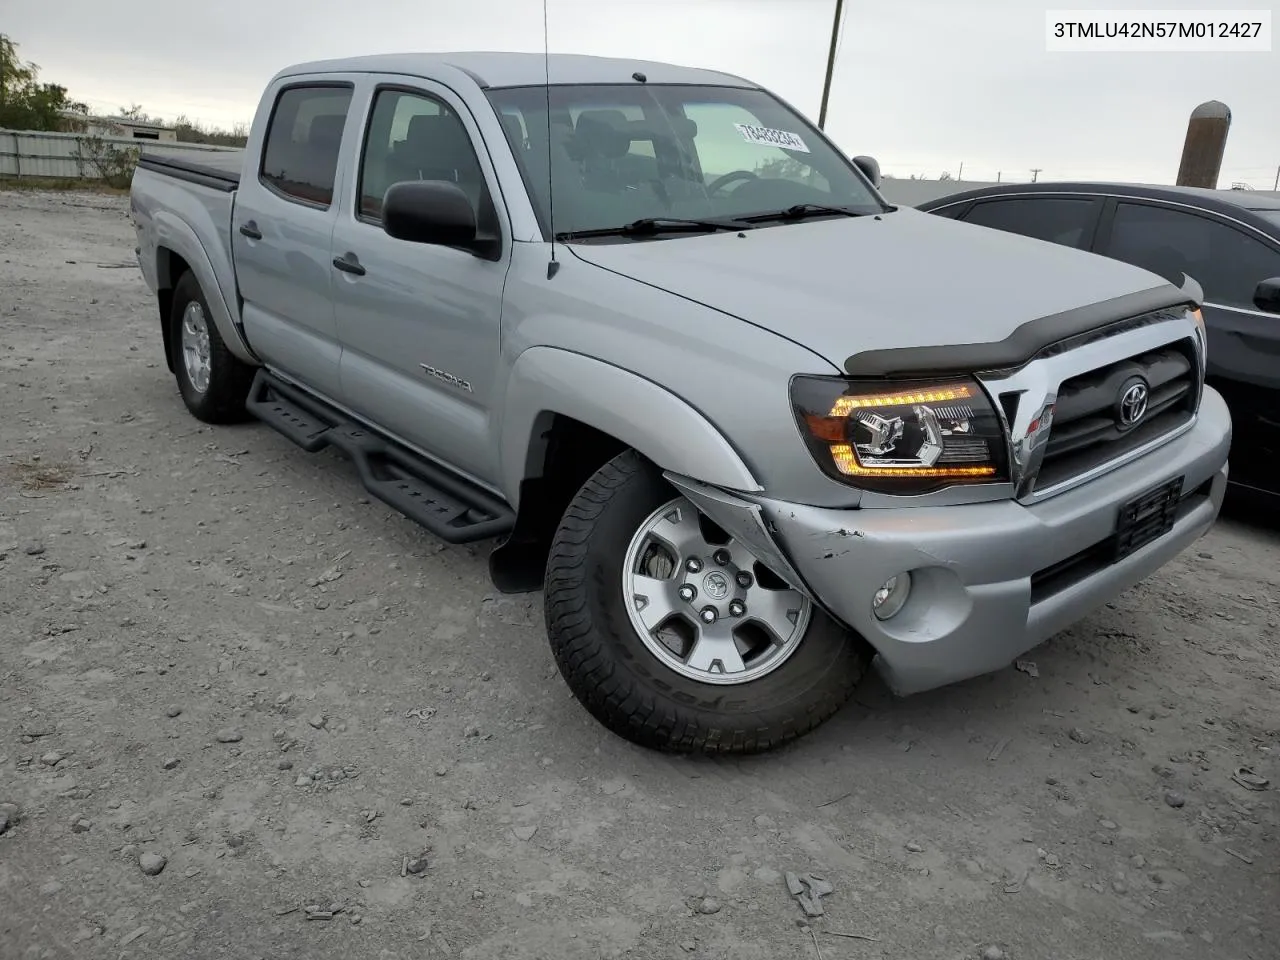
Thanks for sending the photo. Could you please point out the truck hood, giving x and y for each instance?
(900, 282)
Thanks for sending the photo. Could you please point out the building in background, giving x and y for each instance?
(127, 128)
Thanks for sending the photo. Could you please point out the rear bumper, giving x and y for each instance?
(990, 581)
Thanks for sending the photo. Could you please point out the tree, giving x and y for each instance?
(25, 102)
(135, 112)
(108, 162)
(192, 131)
(782, 168)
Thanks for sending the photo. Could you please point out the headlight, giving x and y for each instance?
(901, 437)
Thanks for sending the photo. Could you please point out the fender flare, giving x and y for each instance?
(638, 412)
(176, 235)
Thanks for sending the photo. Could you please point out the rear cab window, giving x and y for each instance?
(304, 141)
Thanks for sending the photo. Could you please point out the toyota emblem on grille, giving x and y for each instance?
(1132, 405)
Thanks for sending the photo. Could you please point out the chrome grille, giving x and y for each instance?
(1088, 426)
(1061, 407)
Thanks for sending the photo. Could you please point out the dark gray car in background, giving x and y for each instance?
(1228, 241)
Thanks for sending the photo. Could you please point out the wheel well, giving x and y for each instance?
(169, 270)
(566, 453)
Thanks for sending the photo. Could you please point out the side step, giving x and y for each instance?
(450, 507)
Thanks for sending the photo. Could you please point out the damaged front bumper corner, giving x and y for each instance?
(988, 581)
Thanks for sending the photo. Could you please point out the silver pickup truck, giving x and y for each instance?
(750, 427)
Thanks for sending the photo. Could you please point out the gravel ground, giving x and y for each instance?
(246, 713)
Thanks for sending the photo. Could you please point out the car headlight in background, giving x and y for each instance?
(901, 437)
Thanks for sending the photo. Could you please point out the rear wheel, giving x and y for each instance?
(213, 382)
(675, 636)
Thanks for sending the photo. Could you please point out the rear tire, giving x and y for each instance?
(651, 694)
(213, 382)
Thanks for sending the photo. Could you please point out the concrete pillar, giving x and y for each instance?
(1204, 146)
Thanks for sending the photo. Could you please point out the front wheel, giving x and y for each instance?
(675, 636)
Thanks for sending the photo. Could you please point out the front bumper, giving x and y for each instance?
(990, 581)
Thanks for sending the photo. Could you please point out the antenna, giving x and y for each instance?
(554, 266)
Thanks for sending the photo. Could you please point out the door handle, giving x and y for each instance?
(250, 230)
(349, 263)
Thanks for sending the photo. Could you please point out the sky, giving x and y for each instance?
(922, 85)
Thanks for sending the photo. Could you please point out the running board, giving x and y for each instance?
(448, 506)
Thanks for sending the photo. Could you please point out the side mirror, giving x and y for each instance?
(1267, 296)
(869, 167)
(429, 211)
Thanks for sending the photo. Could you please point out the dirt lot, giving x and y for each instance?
(214, 650)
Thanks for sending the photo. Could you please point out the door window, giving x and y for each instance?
(300, 158)
(415, 137)
(1227, 262)
(1065, 220)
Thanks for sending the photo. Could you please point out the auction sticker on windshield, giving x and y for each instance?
(766, 137)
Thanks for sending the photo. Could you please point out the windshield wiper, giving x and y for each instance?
(648, 226)
(801, 211)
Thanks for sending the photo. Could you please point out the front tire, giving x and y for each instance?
(673, 636)
(213, 382)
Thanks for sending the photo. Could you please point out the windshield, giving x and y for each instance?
(623, 153)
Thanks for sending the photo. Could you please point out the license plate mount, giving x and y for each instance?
(1147, 517)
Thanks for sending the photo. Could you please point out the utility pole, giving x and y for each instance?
(1277, 186)
(1206, 142)
(1035, 172)
(960, 175)
(998, 172)
(831, 66)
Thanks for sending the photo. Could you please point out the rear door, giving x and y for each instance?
(283, 226)
(1069, 220)
(1228, 259)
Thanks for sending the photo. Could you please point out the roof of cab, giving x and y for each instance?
(520, 69)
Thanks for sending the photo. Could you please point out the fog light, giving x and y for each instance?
(892, 597)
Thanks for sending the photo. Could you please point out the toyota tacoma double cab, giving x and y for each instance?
(750, 428)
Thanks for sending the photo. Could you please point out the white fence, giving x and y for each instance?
(60, 156)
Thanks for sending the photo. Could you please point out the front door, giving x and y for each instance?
(281, 234)
(419, 324)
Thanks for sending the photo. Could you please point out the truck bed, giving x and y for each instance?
(219, 169)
